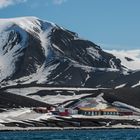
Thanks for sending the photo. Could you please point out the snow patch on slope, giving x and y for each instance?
(25, 91)
(134, 64)
(22, 26)
(112, 64)
(9, 54)
(21, 114)
(120, 86)
(51, 99)
(56, 99)
(136, 85)
(93, 53)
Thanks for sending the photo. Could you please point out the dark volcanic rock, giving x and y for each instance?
(8, 100)
(83, 52)
(128, 59)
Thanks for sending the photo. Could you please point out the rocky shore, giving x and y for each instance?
(67, 128)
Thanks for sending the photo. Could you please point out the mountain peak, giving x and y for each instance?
(26, 23)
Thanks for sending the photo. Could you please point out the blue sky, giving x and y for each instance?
(113, 24)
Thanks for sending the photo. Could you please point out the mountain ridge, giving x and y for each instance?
(51, 45)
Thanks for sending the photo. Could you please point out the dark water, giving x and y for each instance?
(73, 135)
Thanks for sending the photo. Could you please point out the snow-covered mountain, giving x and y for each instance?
(33, 50)
(38, 58)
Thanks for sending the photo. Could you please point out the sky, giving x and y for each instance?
(112, 24)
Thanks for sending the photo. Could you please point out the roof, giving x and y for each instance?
(110, 110)
(88, 109)
(94, 109)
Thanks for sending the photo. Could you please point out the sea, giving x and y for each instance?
(114, 134)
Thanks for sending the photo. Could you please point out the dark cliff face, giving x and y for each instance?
(33, 56)
(83, 52)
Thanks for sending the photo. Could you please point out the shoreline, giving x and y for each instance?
(4, 129)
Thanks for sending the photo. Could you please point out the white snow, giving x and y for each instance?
(100, 98)
(57, 48)
(93, 53)
(21, 114)
(132, 54)
(27, 23)
(28, 90)
(87, 77)
(102, 104)
(10, 115)
(120, 86)
(55, 99)
(112, 64)
(40, 29)
(9, 56)
(89, 69)
(138, 84)
(51, 99)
